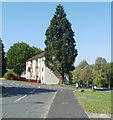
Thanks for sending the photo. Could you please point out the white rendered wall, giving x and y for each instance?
(46, 75)
(41, 69)
(66, 78)
(33, 69)
(27, 73)
(51, 77)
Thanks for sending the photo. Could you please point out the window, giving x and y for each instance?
(42, 69)
(36, 66)
(42, 78)
(29, 69)
(42, 60)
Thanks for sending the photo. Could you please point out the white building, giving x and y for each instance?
(36, 70)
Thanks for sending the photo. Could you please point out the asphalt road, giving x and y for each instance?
(34, 100)
(26, 100)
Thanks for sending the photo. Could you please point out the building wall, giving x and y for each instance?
(27, 70)
(37, 68)
(41, 69)
(66, 78)
(33, 69)
(23, 74)
(51, 77)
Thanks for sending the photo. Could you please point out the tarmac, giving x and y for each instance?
(65, 105)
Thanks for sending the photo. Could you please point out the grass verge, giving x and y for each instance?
(95, 101)
(70, 86)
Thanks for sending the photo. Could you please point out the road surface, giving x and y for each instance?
(34, 100)
(26, 100)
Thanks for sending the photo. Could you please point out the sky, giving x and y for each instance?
(28, 21)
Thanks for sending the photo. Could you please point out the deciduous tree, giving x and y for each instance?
(17, 56)
(83, 73)
(101, 72)
(86, 75)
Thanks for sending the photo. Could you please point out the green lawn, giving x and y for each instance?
(95, 101)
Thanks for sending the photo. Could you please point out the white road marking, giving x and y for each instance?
(24, 96)
(32, 91)
(20, 98)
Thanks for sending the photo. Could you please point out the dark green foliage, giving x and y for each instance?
(70, 77)
(111, 80)
(35, 50)
(3, 60)
(60, 52)
(17, 56)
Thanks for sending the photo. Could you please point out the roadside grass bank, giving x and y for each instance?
(95, 101)
(70, 85)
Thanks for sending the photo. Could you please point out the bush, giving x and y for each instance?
(6, 75)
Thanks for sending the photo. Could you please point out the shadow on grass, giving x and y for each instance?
(104, 89)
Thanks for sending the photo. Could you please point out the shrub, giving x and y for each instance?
(6, 75)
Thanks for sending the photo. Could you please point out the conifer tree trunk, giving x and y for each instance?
(61, 78)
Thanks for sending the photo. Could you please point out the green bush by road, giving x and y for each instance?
(95, 101)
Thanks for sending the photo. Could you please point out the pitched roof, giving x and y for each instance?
(37, 56)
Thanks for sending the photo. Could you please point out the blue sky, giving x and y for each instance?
(91, 22)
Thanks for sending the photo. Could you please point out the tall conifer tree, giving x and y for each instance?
(3, 58)
(60, 52)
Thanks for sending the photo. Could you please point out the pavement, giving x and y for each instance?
(65, 105)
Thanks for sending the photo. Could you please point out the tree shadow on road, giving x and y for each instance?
(17, 91)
